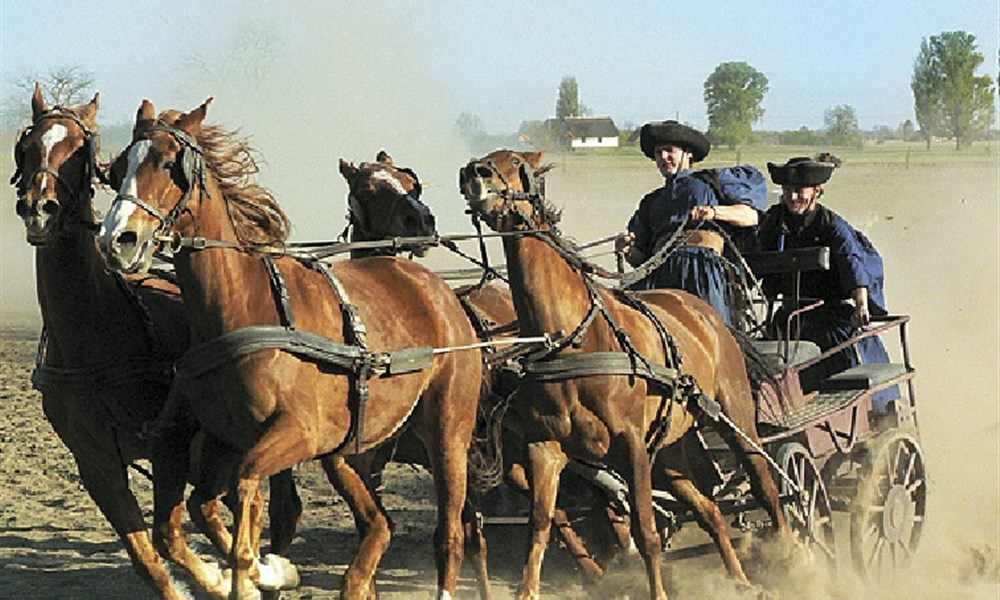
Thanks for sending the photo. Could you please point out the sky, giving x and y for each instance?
(503, 60)
(314, 81)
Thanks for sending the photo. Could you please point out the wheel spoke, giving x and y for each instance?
(826, 549)
(876, 554)
(910, 466)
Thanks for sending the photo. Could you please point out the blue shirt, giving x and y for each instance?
(854, 260)
(663, 210)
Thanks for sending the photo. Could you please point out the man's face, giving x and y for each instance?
(670, 159)
(800, 200)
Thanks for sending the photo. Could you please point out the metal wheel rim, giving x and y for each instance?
(809, 514)
(888, 513)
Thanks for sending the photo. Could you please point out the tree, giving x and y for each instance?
(733, 94)
(906, 130)
(841, 124)
(568, 104)
(246, 61)
(63, 86)
(948, 97)
(471, 129)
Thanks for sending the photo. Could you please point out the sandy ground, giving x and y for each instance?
(938, 233)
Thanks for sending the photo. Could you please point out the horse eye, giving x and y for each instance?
(516, 162)
(168, 165)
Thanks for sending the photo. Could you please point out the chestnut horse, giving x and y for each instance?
(110, 341)
(630, 377)
(384, 203)
(287, 380)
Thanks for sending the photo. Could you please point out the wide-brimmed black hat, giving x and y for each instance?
(662, 133)
(801, 171)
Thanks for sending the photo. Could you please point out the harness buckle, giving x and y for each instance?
(378, 364)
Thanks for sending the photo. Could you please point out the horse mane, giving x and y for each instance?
(253, 210)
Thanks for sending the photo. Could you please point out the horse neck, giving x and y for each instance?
(82, 306)
(548, 294)
(221, 286)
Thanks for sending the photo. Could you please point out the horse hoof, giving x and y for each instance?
(247, 590)
(277, 573)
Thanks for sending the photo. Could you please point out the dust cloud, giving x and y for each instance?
(936, 229)
(346, 90)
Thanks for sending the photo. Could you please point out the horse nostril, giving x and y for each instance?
(22, 208)
(50, 207)
(127, 238)
(483, 172)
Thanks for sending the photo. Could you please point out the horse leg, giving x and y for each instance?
(639, 478)
(547, 461)
(448, 456)
(210, 484)
(95, 450)
(244, 558)
(283, 510)
(170, 470)
(371, 521)
(105, 480)
(592, 571)
(678, 480)
(761, 482)
(476, 549)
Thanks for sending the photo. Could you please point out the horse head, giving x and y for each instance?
(506, 189)
(156, 178)
(384, 203)
(55, 160)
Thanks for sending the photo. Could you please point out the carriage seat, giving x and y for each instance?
(798, 352)
(862, 377)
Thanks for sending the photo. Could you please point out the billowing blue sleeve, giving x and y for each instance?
(696, 192)
(640, 225)
(857, 261)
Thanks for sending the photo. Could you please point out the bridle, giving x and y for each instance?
(533, 184)
(192, 169)
(75, 193)
(357, 217)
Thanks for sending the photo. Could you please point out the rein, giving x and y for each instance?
(552, 364)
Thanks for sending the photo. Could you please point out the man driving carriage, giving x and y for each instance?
(851, 290)
(697, 265)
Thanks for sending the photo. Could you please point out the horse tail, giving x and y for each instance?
(760, 371)
(486, 470)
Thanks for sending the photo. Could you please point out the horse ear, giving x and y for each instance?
(191, 122)
(146, 112)
(534, 158)
(38, 103)
(348, 170)
(383, 157)
(89, 112)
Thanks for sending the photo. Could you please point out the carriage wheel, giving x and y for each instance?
(808, 512)
(888, 512)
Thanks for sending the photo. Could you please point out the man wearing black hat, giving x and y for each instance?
(851, 290)
(696, 265)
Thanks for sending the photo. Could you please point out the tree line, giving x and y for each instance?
(950, 101)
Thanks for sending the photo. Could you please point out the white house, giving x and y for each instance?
(591, 132)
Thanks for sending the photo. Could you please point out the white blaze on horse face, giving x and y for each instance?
(392, 181)
(122, 209)
(52, 136)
